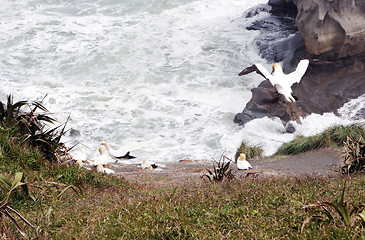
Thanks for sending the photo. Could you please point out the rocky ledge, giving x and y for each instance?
(325, 87)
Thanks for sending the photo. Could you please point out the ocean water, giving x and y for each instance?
(154, 77)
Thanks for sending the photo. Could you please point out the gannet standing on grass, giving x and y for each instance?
(242, 164)
(112, 154)
(282, 82)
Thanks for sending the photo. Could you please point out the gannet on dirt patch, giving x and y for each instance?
(101, 169)
(103, 158)
(113, 155)
(79, 157)
(242, 164)
(147, 164)
(282, 82)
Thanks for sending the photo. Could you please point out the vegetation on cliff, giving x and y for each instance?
(60, 201)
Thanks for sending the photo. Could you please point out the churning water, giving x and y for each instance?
(157, 77)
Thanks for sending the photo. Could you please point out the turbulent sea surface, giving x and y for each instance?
(157, 77)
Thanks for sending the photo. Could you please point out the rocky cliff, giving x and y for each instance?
(332, 29)
(329, 29)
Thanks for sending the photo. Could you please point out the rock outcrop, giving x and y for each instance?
(331, 29)
(324, 88)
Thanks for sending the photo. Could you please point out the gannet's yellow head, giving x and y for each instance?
(79, 163)
(101, 149)
(275, 66)
(242, 157)
(99, 168)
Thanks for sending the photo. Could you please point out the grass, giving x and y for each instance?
(73, 203)
(333, 137)
(250, 152)
(243, 209)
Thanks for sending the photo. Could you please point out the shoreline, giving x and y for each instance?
(320, 162)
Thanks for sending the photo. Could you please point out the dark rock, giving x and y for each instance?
(290, 128)
(279, 39)
(251, 12)
(324, 88)
(283, 6)
(332, 30)
(74, 132)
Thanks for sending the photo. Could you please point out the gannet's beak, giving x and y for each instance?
(273, 70)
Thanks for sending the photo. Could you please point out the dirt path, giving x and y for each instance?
(321, 162)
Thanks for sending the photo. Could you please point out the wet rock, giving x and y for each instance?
(279, 39)
(290, 128)
(74, 133)
(324, 88)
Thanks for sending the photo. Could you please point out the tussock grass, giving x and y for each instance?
(332, 137)
(251, 152)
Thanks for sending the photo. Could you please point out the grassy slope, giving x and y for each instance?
(243, 209)
(110, 208)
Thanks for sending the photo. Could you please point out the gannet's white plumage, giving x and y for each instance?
(101, 169)
(147, 164)
(79, 155)
(113, 155)
(282, 82)
(242, 164)
(103, 158)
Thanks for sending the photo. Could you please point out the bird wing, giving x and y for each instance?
(126, 156)
(258, 68)
(297, 75)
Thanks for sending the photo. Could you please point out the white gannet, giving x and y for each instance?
(113, 155)
(103, 158)
(282, 82)
(147, 164)
(101, 169)
(242, 164)
(79, 157)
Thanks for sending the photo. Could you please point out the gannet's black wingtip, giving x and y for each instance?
(126, 156)
(248, 70)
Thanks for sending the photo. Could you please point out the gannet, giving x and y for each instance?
(147, 164)
(79, 157)
(101, 169)
(242, 164)
(103, 158)
(112, 154)
(282, 82)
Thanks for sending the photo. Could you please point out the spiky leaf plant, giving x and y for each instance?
(221, 170)
(326, 211)
(5, 208)
(32, 126)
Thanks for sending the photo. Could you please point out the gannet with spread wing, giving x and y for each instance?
(281, 81)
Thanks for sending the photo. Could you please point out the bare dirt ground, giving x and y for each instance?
(321, 162)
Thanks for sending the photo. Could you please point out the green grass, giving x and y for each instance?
(333, 137)
(250, 152)
(74, 203)
(243, 209)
